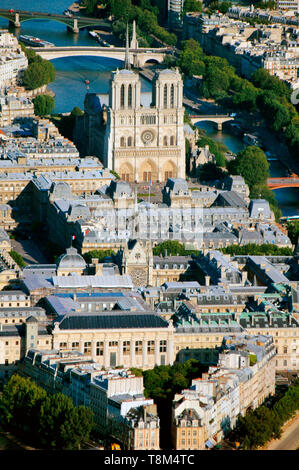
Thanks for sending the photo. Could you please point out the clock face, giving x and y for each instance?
(147, 137)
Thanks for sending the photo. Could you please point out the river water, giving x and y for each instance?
(71, 73)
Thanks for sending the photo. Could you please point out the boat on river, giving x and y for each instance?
(34, 42)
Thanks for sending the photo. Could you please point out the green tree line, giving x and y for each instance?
(162, 383)
(17, 258)
(45, 420)
(259, 250)
(173, 248)
(263, 92)
(144, 12)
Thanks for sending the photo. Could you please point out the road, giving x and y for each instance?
(289, 439)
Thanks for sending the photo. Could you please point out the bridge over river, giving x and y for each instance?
(287, 182)
(218, 119)
(138, 57)
(75, 23)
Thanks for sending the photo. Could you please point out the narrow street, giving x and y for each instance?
(289, 439)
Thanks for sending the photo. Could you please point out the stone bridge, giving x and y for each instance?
(138, 57)
(217, 119)
(16, 17)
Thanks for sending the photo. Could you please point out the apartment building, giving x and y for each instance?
(242, 379)
(116, 396)
(13, 60)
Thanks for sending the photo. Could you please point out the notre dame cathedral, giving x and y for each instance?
(140, 142)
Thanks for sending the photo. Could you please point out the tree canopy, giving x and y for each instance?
(172, 248)
(45, 420)
(43, 105)
(252, 164)
(39, 71)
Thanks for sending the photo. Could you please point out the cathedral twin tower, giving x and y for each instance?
(144, 144)
(141, 142)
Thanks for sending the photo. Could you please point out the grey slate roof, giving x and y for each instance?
(112, 320)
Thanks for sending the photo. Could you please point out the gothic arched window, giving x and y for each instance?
(172, 96)
(130, 96)
(165, 96)
(122, 142)
(122, 96)
(165, 141)
(171, 140)
(129, 141)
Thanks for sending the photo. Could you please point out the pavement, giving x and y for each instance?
(29, 251)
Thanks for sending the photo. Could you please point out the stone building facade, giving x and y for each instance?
(140, 143)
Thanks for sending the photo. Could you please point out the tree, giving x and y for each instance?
(20, 405)
(64, 425)
(39, 73)
(43, 105)
(91, 6)
(99, 254)
(246, 97)
(251, 163)
(216, 82)
(293, 231)
(218, 149)
(211, 172)
(17, 258)
(192, 5)
(76, 111)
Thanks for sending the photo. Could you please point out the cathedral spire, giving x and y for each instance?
(127, 56)
(134, 42)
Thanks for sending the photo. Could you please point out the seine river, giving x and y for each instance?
(71, 73)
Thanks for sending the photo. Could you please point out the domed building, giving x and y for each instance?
(70, 263)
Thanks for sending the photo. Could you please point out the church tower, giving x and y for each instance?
(144, 142)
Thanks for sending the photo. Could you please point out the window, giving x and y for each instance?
(129, 141)
(75, 345)
(165, 141)
(130, 96)
(165, 96)
(113, 343)
(163, 346)
(172, 96)
(87, 347)
(126, 347)
(171, 140)
(150, 347)
(138, 347)
(62, 345)
(122, 96)
(122, 142)
(100, 348)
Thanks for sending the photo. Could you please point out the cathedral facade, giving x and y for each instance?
(140, 142)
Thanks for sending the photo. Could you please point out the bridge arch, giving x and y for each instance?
(118, 53)
(151, 61)
(217, 120)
